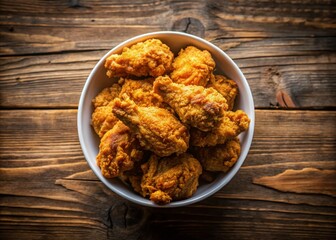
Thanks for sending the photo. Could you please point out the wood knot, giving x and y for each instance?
(189, 25)
(125, 216)
(284, 99)
(77, 4)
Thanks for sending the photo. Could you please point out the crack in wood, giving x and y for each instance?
(189, 25)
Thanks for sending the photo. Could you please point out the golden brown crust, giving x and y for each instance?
(148, 58)
(220, 157)
(157, 129)
(231, 126)
(197, 106)
(227, 87)
(170, 178)
(106, 96)
(141, 92)
(192, 67)
(118, 150)
(103, 120)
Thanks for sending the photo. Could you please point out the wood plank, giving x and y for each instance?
(96, 25)
(45, 183)
(302, 69)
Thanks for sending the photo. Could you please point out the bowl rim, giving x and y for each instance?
(228, 176)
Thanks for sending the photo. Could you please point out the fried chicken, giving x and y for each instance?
(220, 157)
(148, 58)
(227, 87)
(192, 67)
(103, 120)
(197, 106)
(118, 150)
(156, 128)
(141, 92)
(106, 96)
(134, 176)
(231, 126)
(170, 178)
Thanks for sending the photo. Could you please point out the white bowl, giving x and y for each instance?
(98, 80)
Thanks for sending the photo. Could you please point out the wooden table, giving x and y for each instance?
(287, 186)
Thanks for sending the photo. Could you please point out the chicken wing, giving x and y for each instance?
(148, 58)
(118, 150)
(192, 67)
(231, 126)
(170, 178)
(197, 106)
(156, 128)
(227, 87)
(220, 157)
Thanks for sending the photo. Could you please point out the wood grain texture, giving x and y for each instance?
(294, 68)
(286, 186)
(95, 25)
(45, 183)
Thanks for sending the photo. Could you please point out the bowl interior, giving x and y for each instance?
(98, 80)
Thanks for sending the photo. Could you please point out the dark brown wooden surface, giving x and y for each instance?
(286, 188)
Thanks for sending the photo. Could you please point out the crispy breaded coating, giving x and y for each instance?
(231, 126)
(220, 157)
(148, 58)
(106, 96)
(103, 120)
(227, 87)
(200, 107)
(141, 92)
(118, 150)
(192, 66)
(170, 178)
(157, 129)
(133, 177)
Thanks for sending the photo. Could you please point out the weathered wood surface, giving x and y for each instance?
(286, 187)
(307, 77)
(64, 196)
(282, 48)
(58, 26)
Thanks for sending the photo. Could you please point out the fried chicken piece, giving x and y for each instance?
(231, 126)
(133, 177)
(197, 106)
(227, 87)
(106, 96)
(192, 67)
(148, 58)
(220, 157)
(170, 178)
(156, 128)
(141, 92)
(103, 120)
(118, 150)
